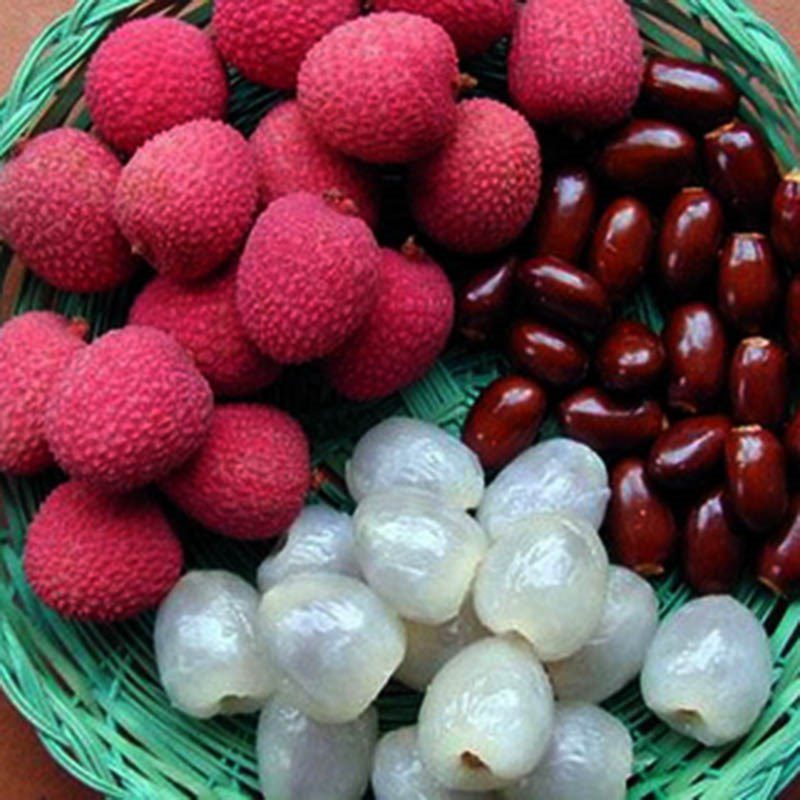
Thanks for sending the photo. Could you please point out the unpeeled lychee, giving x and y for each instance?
(382, 88)
(307, 278)
(34, 349)
(202, 317)
(99, 557)
(291, 158)
(478, 191)
(56, 199)
(404, 333)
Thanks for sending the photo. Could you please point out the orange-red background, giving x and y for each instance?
(26, 771)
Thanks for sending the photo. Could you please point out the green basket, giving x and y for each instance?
(92, 691)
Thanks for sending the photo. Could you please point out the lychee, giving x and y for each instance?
(99, 557)
(128, 409)
(202, 317)
(382, 88)
(150, 75)
(404, 333)
(266, 40)
(307, 278)
(187, 198)
(250, 478)
(34, 349)
(575, 62)
(477, 192)
(291, 158)
(56, 199)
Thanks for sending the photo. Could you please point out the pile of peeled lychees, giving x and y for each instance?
(495, 599)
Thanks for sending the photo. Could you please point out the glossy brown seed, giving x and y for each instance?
(564, 293)
(610, 425)
(547, 354)
(621, 247)
(714, 549)
(694, 339)
(504, 420)
(631, 358)
(759, 382)
(649, 154)
(749, 283)
(779, 560)
(689, 453)
(792, 318)
(566, 211)
(640, 528)
(690, 239)
(482, 302)
(791, 439)
(741, 172)
(698, 95)
(785, 223)
(755, 467)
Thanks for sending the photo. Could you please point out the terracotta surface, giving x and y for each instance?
(26, 770)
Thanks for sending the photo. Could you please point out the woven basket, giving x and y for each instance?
(92, 691)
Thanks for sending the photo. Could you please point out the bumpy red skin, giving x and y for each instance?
(150, 75)
(202, 317)
(307, 278)
(56, 199)
(575, 62)
(474, 25)
(187, 198)
(127, 410)
(403, 335)
(477, 193)
(266, 40)
(290, 158)
(98, 557)
(382, 88)
(34, 349)
(250, 479)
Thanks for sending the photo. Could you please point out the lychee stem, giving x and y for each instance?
(339, 201)
(78, 326)
(412, 251)
(465, 83)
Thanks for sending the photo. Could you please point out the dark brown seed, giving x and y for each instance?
(610, 425)
(631, 359)
(689, 453)
(779, 561)
(749, 283)
(547, 354)
(792, 318)
(504, 420)
(698, 95)
(694, 339)
(565, 214)
(785, 223)
(640, 528)
(755, 466)
(742, 172)
(482, 303)
(564, 293)
(759, 382)
(714, 549)
(649, 154)
(621, 247)
(791, 439)
(691, 236)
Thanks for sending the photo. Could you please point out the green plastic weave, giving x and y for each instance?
(92, 691)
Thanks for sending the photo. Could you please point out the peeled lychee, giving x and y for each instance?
(382, 88)
(186, 199)
(291, 158)
(56, 200)
(250, 478)
(575, 62)
(202, 317)
(307, 278)
(473, 25)
(266, 40)
(99, 557)
(150, 75)
(477, 192)
(128, 409)
(34, 349)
